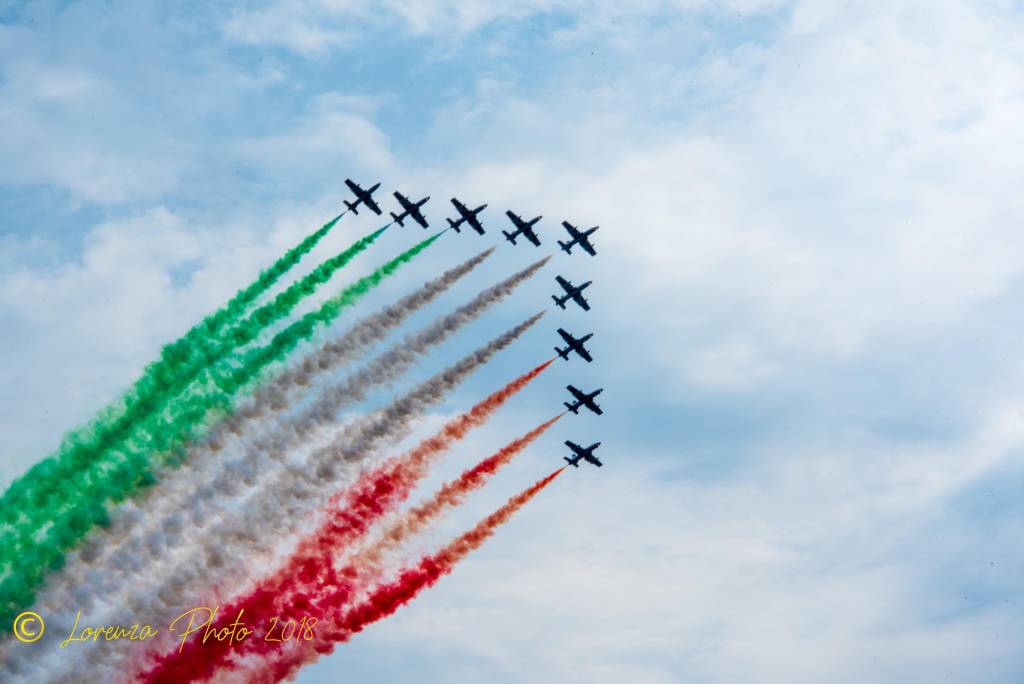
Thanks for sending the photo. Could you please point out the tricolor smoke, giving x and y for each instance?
(234, 545)
(43, 475)
(349, 516)
(337, 623)
(161, 383)
(139, 518)
(184, 420)
(183, 507)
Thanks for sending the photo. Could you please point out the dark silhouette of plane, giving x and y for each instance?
(524, 228)
(362, 196)
(583, 400)
(581, 454)
(409, 209)
(572, 292)
(578, 238)
(574, 345)
(467, 215)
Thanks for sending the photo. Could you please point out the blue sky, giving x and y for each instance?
(806, 302)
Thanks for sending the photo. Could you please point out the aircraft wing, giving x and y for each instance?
(369, 201)
(460, 206)
(574, 446)
(587, 247)
(564, 283)
(581, 300)
(595, 408)
(569, 339)
(594, 460)
(403, 200)
(353, 187)
(584, 353)
(576, 393)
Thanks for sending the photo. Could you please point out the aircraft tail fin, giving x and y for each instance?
(572, 407)
(397, 218)
(559, 302)
(574, 464)
(454, 225)
(565, 247)
(352, 207)
(509, 236)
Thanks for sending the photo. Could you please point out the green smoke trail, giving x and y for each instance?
(160, 442)
(159, 384)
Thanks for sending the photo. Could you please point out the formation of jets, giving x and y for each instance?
(525, 229)
(465, 215)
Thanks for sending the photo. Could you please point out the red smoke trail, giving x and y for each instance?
(295, 587)
(449, 496)
(338, 625)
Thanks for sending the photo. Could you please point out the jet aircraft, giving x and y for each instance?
(574, 292)
(362, 196)
(582, 454)
(574, 345)
(409, 208)
(467, 215)
(579, 237)
(524, 228)
(583, 400)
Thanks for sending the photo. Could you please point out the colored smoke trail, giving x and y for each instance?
(166, 434)
(23, 490)
(143, 522)
(186, 506)
(349, 516)
(450, 495)
(337, 625)
(247, 536)
(160, 385)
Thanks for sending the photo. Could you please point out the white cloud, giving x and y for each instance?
(731, 365)
(333, 136)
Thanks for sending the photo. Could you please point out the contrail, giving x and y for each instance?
(21, 492)
(160, 384)
(310, 570)
(183, 506)
(178, 486)
(250, 534)
(337, 625)
(135, 461)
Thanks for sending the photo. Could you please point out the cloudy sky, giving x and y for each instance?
(807, 299)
